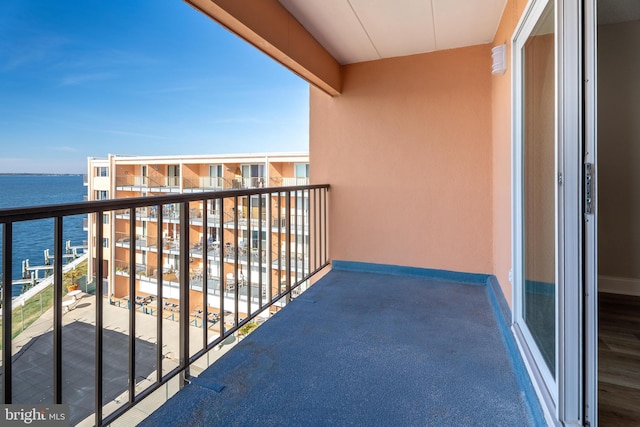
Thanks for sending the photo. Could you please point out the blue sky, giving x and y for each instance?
(83, 79)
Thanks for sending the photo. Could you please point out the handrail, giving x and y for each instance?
(289, 263)
(8, 215)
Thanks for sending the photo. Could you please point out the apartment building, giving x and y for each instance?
(230, 240)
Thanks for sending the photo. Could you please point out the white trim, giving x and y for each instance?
(570, 372)
(549, 416)
(619, 285)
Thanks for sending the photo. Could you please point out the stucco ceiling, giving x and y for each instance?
(363, 30)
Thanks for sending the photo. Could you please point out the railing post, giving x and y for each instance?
(269, 248)
(222, 279)
(7, 327)
(57, 311)
(184, 289)
(279, 275)
(326, 254)
(295, 226)
(247, 246)
(260, 254)
(288, 246)
(235, 259)
(205, 273)
(133, 243)
(99, 317)
(160, 294)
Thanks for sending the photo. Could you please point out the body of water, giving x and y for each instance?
(31, 238)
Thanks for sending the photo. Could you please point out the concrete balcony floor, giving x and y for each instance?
(364, 349)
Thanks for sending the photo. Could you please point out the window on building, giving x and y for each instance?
(105, 242)
(101, 195)
(215, 171)
(173, 175)
(253, 176)
(301, 170)
(144, 175)
(253, 171)
(102, 171)
(215, 176)
(105, 218)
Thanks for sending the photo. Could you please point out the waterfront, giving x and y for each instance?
(30, 239)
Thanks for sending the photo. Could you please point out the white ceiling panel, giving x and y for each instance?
(335, 26)
(397, 31)
(466, 22)
(362, 30)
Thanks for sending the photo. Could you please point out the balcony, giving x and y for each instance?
(288, 181)
(206, 183)
(367, 346)
(159, 302)
(161, 184)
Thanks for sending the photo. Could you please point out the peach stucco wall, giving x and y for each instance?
(406, 149)
(501, 151)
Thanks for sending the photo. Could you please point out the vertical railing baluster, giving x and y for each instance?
(279, 275)
(269, 248)
(99, 315)
(287, 243)
(133, 243)
(260, 254)
(295, 201)
(57, 310)
(222, 284)
(326, 235)
(7, 324)
(160, 292)
(248, 249)
(205, 269)
(303, 203)
(235, 259)
(184, 288)
(316, 251)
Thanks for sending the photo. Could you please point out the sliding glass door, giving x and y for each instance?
(548, 227)
(536, 207)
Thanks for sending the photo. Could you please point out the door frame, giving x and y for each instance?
(590, 220)
(562, 399)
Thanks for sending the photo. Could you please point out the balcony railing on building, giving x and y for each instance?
(178, 280)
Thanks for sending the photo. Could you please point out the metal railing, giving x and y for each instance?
(230, 295)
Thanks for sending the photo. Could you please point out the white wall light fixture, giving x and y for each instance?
(499, 57)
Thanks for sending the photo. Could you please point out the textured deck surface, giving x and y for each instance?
(363, 349)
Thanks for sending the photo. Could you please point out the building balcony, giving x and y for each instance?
(160, 184)
(200, 184)
(366, 344)
(206, 183)
(288, 181)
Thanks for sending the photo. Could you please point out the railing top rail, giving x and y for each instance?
(86, 207)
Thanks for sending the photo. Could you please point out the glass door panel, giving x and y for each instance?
(539, 183)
